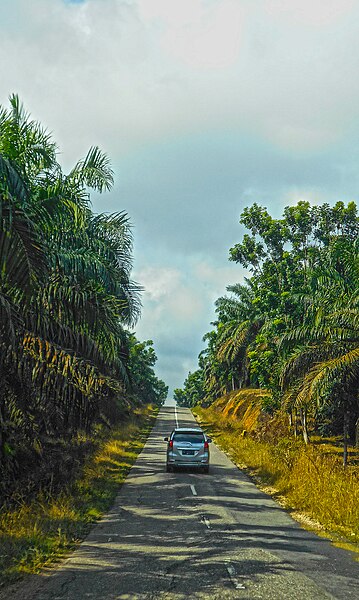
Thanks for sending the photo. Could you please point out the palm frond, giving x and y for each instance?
(94, 171)
(320, 380)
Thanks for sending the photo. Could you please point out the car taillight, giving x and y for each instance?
(170, 444)
(206, 445)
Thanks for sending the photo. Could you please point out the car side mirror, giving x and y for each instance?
(165, 439)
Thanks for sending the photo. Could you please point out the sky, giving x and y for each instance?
(204, 107)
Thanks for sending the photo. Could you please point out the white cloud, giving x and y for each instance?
(170, 298)
(178, 307)
(309, 13)
(213, 104)
(203, 36)
(125, 73)
(216, 278)
(171, 12)
(159, 282)
(173, 307)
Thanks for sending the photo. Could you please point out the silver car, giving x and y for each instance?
(188, 448)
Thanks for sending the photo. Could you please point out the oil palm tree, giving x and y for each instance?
(323, 358)
(65, 289)
(238, 326)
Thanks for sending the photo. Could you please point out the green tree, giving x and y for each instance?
(292, 325)
(66, 294)
(322, 363)
(146, 387)
(193, 390)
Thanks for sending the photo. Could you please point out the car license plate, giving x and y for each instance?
(188, 452)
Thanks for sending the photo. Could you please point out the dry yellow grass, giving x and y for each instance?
(244, 406)
(308, 479)
(35, 534)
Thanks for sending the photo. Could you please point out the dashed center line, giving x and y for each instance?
(233, 577)
(206, 522)
(176, 416)
(193, 490)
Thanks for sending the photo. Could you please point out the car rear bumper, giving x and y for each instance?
(187, 463)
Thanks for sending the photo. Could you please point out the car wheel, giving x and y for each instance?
(205, 469)
(169, 468)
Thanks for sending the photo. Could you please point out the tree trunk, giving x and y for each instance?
(345, 437)
(303, 418)
(1, 434)
(295, 424)
(2, 420)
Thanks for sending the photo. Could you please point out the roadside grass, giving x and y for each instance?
(37, 533)
(310, 481)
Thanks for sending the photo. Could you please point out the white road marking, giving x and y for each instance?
(233, 577)
(206, 522)
(193, 490)
(176, 415)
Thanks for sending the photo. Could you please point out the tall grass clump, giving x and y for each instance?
(35, 533)
(307, 478)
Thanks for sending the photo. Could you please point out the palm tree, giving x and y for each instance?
(238, 326)
(324, 360)
(66, 294)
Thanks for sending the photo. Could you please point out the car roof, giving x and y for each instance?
(188, 429)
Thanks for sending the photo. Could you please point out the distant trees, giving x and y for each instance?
(192, 392)
(66, 293)
(292, 327)
(144, 383)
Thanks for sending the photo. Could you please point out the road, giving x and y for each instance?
(188, 535)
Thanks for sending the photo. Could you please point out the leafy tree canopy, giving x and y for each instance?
(292, 326)
(67, 298)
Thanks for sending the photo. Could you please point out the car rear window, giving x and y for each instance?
(194, 438)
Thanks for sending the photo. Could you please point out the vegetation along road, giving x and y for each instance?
(189, 535)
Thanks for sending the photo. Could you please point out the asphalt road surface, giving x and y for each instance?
(188, 535)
